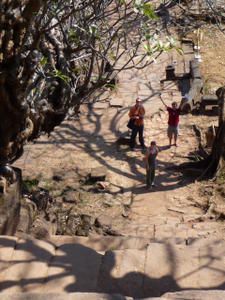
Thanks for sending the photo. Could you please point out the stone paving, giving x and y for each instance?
(145, 270)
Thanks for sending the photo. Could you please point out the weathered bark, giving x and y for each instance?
(13, 110)
(214, 164)
(217, 163)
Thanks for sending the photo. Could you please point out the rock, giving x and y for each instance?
(85, 197)
(115, 189)
(103, 221)
(98, 174)
(57, 177)
(61, 217)
(84, 228)
(72, 185)
(83, 172)
(125, 213)
(127, 199)
(41, 198)
(71, 197)
(102, 186)
(41, 229)
(58, 202)
(78, 224)
(72, 224)
(110, 200)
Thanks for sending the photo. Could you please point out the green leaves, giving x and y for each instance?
(145, 9)
(73, 36)
(59, 74)
(43, 61)
(93, 30)
(155, 44)
(121, 2)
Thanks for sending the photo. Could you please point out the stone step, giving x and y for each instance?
(163, 268)
(43, 267)
(24, 264)
(195, 295)
(183, 295)
(173, 231)
(63, 296)
(103, 243)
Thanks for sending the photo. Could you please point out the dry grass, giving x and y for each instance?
(213, 56)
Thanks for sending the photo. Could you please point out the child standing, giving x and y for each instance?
(150, 158)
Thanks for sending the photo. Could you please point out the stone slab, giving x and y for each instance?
(103, 243)
(212, 265)
(196, 295)
(7, 246)
(122, 272)
(170, 268)
(159, 270)
(73, 268)
(62, 296)
(29, 266)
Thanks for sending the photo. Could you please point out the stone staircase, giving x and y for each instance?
(103, 267)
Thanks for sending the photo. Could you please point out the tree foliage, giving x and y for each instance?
(56, 54)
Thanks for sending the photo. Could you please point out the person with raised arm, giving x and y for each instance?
(173, 121)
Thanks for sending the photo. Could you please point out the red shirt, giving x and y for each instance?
(173, 116)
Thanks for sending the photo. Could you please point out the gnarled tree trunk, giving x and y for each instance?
(217, 157)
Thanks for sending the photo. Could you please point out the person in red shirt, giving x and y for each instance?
(137, 113)
(173, 122)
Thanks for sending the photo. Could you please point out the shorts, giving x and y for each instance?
(172, 130)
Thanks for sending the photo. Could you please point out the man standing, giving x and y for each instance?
(136, 114)
(173, 122)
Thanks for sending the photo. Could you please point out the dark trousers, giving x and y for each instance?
(150, 175)
(137, 130)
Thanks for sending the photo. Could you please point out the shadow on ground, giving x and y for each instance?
(38, 266)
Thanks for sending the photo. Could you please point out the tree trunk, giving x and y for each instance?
(216, 160)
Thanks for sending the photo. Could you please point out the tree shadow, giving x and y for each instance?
(47, 267)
